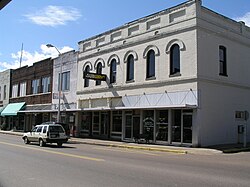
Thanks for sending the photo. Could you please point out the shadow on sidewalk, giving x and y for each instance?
(231, 148)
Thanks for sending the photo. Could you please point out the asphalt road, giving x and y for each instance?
(76, 165)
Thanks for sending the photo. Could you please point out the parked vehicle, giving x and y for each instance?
(46, 133)
(64, 125)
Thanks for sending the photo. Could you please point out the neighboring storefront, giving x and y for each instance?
(164, 126)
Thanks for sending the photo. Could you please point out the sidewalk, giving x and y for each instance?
(152, 147)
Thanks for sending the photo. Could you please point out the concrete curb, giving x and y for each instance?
(133, 147)
(178, 150)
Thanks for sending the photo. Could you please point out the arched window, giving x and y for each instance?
(130, 68)
(150, 64)
(86, 81)
(174, 59)
(113, 71)
(98, 71)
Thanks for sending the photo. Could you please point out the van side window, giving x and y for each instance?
(39, 129)
(34, 129)
(44, 129)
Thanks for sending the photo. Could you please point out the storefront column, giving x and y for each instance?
(77, 124)
(169, 126)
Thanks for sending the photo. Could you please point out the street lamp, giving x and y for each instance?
(59, 83)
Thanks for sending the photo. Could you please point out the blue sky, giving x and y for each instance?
(64, 23)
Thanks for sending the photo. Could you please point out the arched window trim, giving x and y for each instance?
(175, 41)
(88, 63)
(128, 53)
(97, 62)
(151, 47)
(114, 56)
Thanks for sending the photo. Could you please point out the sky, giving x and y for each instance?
(31, 24)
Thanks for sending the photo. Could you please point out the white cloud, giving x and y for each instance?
(29, 58)
(54, 15)
(245, 18)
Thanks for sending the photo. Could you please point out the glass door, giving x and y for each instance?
(136, 126)
(187, 127)
(132, 126)
(182, 126)
(176, 126)
(104, 124)
(128, 126)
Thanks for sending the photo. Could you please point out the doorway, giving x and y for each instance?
(182, 126)
(132, 125)
(104, 124)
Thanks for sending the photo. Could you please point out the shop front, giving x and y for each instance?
(170, 126)
(101, 124)
(164, 118)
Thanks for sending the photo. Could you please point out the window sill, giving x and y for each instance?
(130, 81)
(175, 75)
(150, 78)
(222, 74)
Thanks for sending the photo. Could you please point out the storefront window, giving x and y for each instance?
(162, 125)
(86, 121)
(148, 123)
(117, 121)
(96, 127)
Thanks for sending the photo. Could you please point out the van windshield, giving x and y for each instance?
(56, 129)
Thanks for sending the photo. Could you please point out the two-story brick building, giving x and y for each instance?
(31, 95)
(180, 75)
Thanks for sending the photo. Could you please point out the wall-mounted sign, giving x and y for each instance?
(94, 76)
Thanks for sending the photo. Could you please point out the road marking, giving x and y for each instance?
(55, 152)
(128, 151)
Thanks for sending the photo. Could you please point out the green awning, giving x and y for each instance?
(12, 109)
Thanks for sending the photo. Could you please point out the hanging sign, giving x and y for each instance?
(94, 76)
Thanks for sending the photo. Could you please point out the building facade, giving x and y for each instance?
(180, 76)
(67, 64)
(32, 87)
(5, 78)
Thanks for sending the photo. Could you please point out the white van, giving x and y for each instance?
(46, 133)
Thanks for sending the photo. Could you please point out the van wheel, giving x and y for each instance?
(41, 143)
(26, 141)
(59, 144)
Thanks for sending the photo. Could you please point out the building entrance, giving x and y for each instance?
(182, 126)
(104, 123)
(132, 125)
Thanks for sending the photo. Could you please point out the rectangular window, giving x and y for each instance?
(22, 91)
(65, 81)
(223, 61)
(14, 90)
(241, 115)
(0, 93)
(46, 84)
(117, 121)
(35, 86)
(4, 92)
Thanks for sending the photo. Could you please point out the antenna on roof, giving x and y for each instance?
(21, 56)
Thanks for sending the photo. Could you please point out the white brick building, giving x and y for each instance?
(67, 63)
(180, 75)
